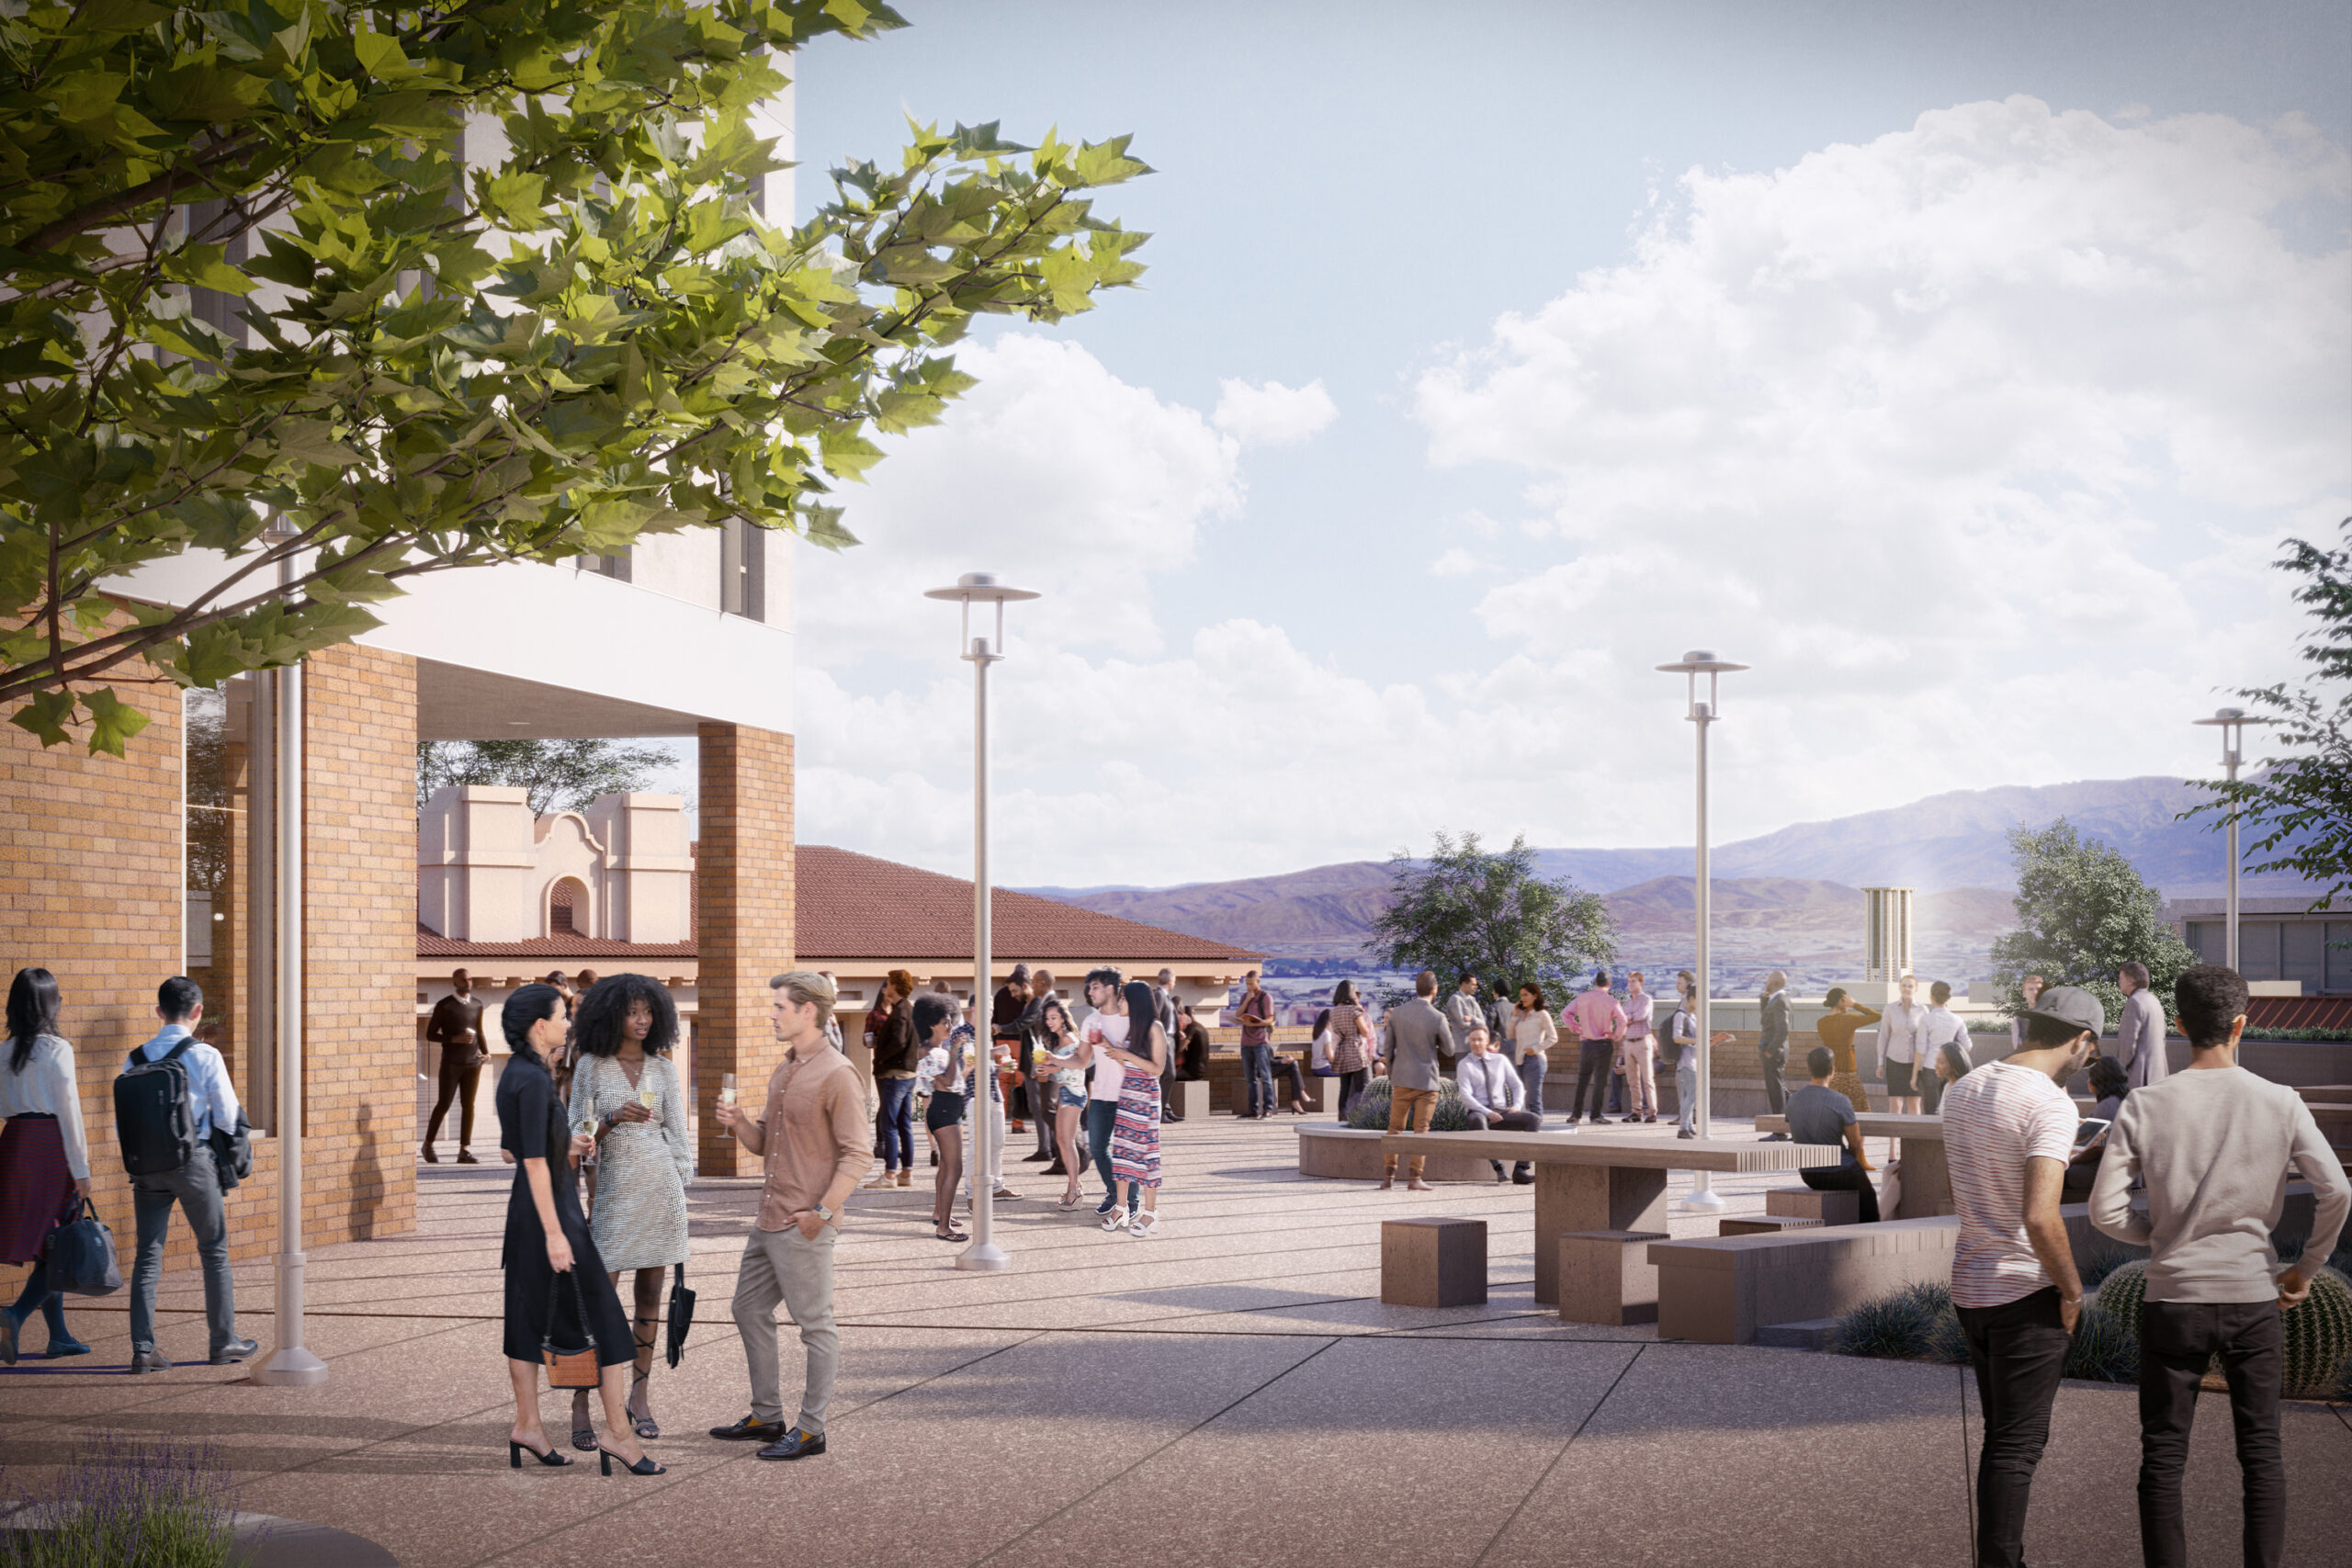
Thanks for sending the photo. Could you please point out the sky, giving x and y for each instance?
(1959, 367)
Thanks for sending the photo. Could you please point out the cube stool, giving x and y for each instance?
(1770, 1224)
(1804, 1204)
(1434, 1262)
(1607, 1277)
(1192, 1098)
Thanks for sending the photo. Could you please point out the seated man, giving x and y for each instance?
(1490, 1088)
(1819, 1114)
(2110, 1084)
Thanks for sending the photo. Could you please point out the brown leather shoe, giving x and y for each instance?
(430, 1157)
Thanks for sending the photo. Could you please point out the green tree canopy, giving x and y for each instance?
(561, 775)
(1470, 910)
(505, 296)
(2083, 913)
(2300, 805)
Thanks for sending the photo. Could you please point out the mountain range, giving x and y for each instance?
(1953, 847)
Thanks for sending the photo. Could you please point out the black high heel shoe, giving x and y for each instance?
(584, 1436)
(515, 1452)
(644, 1466)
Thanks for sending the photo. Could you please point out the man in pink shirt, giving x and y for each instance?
(1599, 1025)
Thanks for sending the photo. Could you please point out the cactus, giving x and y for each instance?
(2318, 1334)
(1370, 1112)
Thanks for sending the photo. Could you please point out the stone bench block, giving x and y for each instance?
(1434, 1262)
(1607, 1277)
(1327, 1149)
(1191, 1097)
(1766, 1224)
(1804, 1204)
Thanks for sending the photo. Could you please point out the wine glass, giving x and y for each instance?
(727, 1088)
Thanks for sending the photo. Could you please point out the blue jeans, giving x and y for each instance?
(1100, 1115)
(1530, 1078)
(1686, 1089)
(195, 1188)
(51, 1303)
(894, 1125)
(1258, 1080)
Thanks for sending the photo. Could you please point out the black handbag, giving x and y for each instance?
(681, 1315)
(79, 1255)
(569, 1368)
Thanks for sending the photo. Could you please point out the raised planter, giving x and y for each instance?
(264, 1540)
(1347, 1154)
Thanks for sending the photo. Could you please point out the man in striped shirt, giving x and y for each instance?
(2008, 1132)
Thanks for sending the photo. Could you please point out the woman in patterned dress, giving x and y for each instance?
(1135, 1135)
(626, 1027)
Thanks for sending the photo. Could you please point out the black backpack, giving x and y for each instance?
(151, 1122)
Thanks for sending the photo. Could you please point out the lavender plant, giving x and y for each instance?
(122, 1502)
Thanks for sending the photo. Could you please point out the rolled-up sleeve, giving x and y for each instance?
(853, 1131)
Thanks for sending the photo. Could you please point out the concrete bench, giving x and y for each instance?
(1766, 1224)
(1823, 1208)
(1724, 1290)
(1191, 1097)
(1607, 1277)
(1329, 1150)
(1434, 1262)
(1927, 1180)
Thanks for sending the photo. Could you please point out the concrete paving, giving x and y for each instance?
(1229, 1392)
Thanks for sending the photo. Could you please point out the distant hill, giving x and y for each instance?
(1954, 848)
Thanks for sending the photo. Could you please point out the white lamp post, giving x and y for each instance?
(1697, 662)
(982, 588)
(290, 1363)
(2232, 723)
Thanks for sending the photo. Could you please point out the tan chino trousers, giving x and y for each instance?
(1410, 1107)
(785, 1266)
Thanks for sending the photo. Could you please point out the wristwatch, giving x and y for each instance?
(823, 1214)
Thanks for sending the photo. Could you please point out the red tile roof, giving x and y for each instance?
(851, 905)
(854, 905)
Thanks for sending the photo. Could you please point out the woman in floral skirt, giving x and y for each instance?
(1135, 1135)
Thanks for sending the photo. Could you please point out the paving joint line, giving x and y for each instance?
(1520, 1507)
(1100, 1487)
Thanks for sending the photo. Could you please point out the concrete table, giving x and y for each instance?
(1588, 1182)
(1927, 1179)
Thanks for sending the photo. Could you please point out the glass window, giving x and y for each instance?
(2339, 956)
(226, 881)
(2302, 953)
(2258, 949)
(2205, 940)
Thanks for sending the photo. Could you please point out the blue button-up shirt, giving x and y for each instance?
(211, 1098)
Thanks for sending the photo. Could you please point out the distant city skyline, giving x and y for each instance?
(1959, 368)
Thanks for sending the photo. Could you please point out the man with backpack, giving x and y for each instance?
(172, 1095)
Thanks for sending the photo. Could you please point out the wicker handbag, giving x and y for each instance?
(570, 1368)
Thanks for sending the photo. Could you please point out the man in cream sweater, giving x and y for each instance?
(2214, 1145)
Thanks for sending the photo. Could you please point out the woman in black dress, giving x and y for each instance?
(547, 1236)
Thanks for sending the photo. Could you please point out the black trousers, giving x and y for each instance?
(1350, 1085)
(1513, 1122)
(2019, 1351)
(1288, 1071)
(1776, 1094)
(1594, 1063)
(458, 1084)
(1043, 1098)
(1846, 1179)
(2177, 1341)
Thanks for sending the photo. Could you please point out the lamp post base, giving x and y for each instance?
(1702, 1198)
(290, 1366)
(984, 1257)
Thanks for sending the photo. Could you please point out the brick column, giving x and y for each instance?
(744, 870)
(360, 944)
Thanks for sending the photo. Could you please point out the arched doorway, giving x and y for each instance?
(568, 907)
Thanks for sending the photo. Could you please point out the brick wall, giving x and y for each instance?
(743, 920)
(91, 889)
(360, 944)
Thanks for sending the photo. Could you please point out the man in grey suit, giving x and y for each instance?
(1462, 1015)
(1418, 1033)
(2140, 1034)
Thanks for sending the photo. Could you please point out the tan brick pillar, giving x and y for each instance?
(744, 870)
(359, 945)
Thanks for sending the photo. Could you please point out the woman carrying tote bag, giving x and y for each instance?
(44, 1158)
(547, 1237)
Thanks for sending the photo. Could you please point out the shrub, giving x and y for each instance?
(1898, 1326)
(1370, 1112)
(2106, 1349)
(167, 1505)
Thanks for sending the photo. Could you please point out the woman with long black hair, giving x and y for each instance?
(44, 1158)
(1134, 1133)
(555, 1279)
(626, 1090)
(942, 1079)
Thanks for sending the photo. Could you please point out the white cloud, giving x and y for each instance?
(1271, 414)
(1975, 439)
